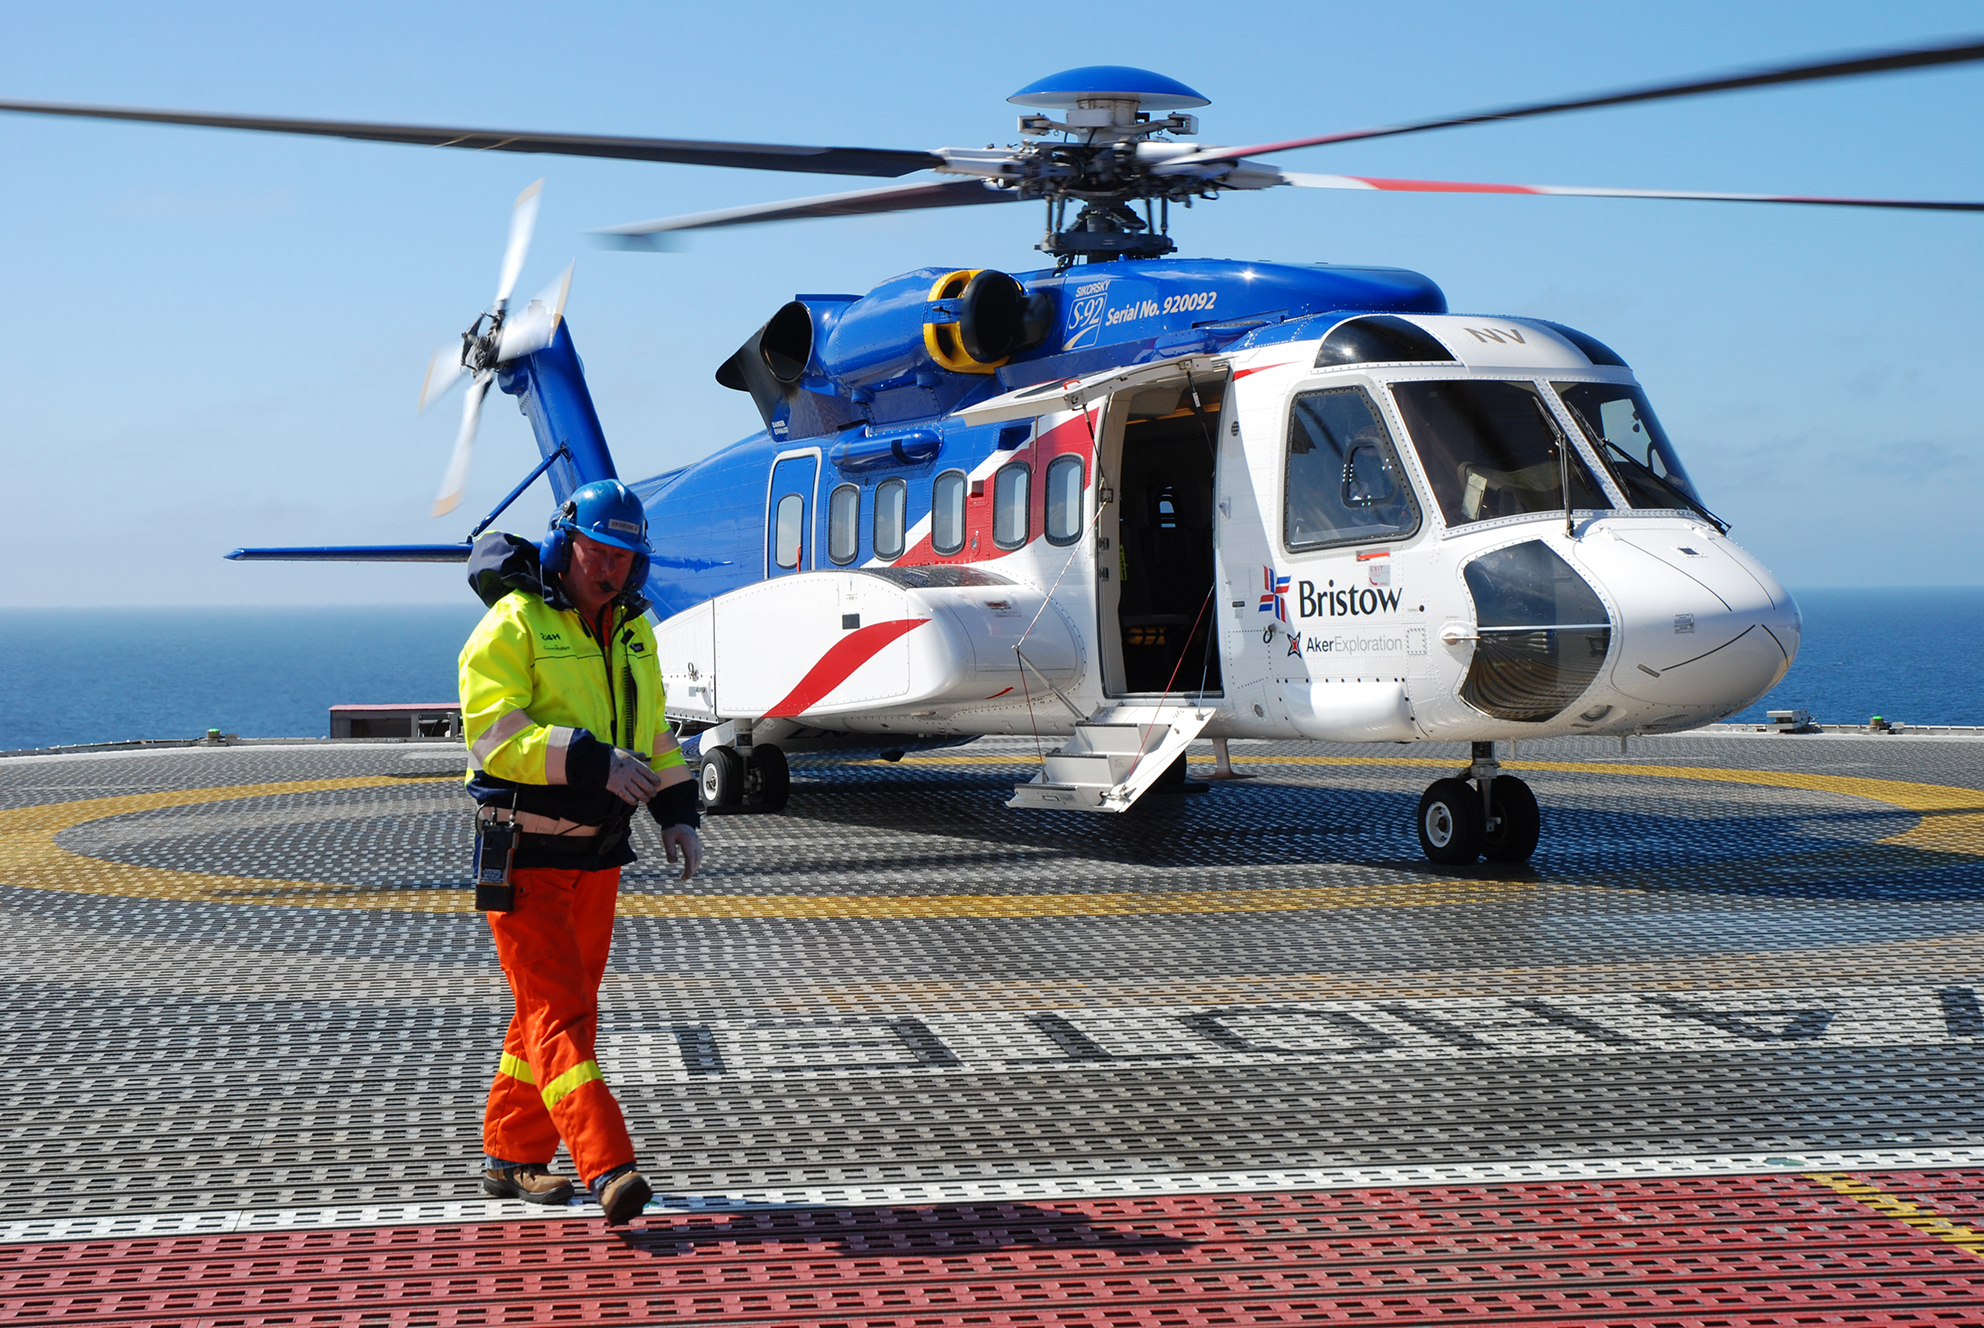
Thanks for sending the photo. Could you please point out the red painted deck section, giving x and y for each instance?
(1680, 1253)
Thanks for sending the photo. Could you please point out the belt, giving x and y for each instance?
(592, 845)
(545, 827)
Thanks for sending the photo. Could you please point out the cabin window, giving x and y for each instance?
(1065, 485)
(1344, 484)
(843, 523)
(947, 512)
(1631, 442)
(891, 511)
(788, 529)
(1491, 449)
(1010, 491)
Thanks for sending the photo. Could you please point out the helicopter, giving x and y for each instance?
(1129, 500)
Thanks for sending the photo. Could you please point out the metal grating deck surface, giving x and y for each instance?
(903, 1056)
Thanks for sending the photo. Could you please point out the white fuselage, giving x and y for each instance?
(1204, 574)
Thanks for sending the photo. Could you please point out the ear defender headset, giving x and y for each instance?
(607, 511)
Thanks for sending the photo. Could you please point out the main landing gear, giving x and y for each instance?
(1495, 817)
(756, 780)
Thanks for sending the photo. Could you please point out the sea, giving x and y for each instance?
(70, 676)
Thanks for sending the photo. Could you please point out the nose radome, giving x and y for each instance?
(1696, 627)
(1735, 568)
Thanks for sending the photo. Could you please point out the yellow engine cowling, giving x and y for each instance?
(991, 308)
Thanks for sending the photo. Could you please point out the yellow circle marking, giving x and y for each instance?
(1951, 822)
(30, 857)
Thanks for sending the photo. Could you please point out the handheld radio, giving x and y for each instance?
(495, 850)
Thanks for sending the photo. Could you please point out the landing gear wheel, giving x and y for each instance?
(767, 780)
(721, 783)
(1450, 822)
(1520, 823)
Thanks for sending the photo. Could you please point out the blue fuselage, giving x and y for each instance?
(873, 406)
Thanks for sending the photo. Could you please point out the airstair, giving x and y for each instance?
(1113, 759)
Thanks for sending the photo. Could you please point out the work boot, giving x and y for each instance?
(531, 1183)
(624, 1196)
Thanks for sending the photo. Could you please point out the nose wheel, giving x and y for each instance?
(1481, 813)
(1514, 822)
(1450, 822)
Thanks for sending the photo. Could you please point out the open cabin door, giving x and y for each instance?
(1156, 573)
(1156, 576)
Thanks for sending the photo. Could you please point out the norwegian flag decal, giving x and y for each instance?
(1274, 594)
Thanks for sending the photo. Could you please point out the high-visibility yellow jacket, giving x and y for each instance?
(545, 702)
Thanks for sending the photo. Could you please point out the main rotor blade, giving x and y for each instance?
(523, 220)
(859, 202)
(456, 478)
(686, 151)
(1576, 191)
(1962, 52)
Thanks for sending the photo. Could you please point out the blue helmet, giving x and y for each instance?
(608, 511)
(604, 510)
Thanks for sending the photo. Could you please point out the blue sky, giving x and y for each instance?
(215, 339)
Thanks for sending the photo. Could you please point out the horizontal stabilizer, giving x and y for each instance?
(420, 553)
(358, 553)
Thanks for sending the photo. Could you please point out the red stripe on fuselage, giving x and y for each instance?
(1069, 438)
(1238, 374)
(839, 663)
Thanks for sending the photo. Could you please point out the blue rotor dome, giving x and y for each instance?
(1153, 92)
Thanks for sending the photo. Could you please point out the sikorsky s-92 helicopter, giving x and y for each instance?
(1129, 500)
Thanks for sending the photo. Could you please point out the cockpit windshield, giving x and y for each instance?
(1491, 448)
(1625, 433)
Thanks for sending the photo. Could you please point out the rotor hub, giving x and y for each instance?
(1101, 154)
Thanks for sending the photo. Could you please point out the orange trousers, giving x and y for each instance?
(553, 950)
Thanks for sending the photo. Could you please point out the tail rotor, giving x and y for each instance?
(493, 339)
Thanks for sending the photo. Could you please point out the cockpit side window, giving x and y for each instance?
(1623, 430)
(1491, 448)
(1344, 482)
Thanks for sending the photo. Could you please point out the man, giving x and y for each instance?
(562, 713)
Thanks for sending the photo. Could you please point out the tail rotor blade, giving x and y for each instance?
(532, 328)
(456, 479)
(445, 372)
(523, 220)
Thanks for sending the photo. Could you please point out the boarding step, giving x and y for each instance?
(1112, 761)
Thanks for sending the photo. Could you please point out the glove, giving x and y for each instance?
(683, 837)
(629, 779)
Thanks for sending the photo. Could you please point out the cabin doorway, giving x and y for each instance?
(1156, 573)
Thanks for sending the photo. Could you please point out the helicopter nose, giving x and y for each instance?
(1703, 628)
